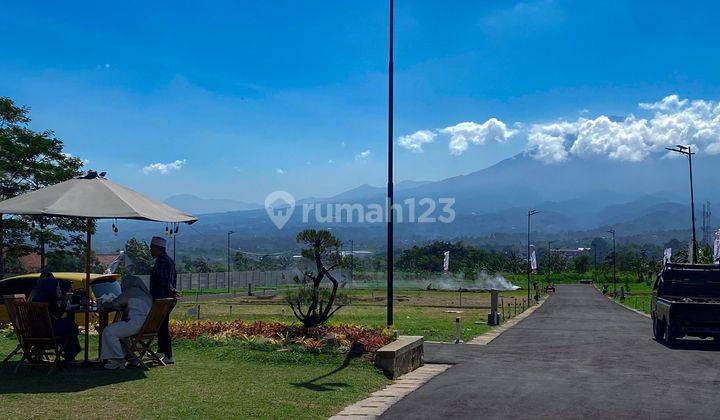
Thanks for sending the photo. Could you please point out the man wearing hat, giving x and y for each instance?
(163, 280)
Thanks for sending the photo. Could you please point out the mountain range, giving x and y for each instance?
(578, 199)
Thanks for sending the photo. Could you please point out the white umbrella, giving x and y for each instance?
(91, 197)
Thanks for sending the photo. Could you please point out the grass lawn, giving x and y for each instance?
(428, 313)
(208, 381)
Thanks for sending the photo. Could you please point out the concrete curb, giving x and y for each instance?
(489, 336)
(379, 401)
(625, 306)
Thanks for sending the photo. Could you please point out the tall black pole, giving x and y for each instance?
(692, 208)
(390, 192)
(529, 265)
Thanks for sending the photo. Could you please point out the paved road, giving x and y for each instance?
(578, 356)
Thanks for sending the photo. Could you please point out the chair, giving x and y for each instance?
(140, 343)
(12, 314)
(37, 337)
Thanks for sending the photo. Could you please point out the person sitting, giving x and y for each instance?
(51, 291)
(135, 302)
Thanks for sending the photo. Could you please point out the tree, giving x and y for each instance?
(312, 304)
(30, 160)
(581, 263)
(139, 253)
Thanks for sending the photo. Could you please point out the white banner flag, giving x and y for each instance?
(667, 255)
(533, 259)
(716, 248)
(446, 261)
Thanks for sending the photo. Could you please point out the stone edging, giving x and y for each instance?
(625, 306)
(489, 336)
(379, 401)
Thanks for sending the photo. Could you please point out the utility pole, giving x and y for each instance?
(685, 150)
(227, 282)
(529, 267)
(352, 259)
(390, 187)
(612, 231)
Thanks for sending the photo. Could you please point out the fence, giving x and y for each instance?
(239, 279)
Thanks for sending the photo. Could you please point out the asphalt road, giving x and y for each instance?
(578, 356)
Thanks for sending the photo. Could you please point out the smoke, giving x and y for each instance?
(483, 281)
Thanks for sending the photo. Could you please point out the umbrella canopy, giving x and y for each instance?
(93, 198)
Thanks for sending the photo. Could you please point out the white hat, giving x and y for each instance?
(158, 241)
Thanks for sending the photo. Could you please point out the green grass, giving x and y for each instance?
(428, 313)
(208, 381)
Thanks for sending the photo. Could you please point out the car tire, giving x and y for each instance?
(658, 331)
(669, 337)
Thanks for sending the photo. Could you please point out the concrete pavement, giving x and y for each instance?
(578, 356)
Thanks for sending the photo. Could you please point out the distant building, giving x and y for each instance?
(571, 253)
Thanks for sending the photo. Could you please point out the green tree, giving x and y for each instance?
(139, 253)
(581, 263)
(312, 304)
(30, 160)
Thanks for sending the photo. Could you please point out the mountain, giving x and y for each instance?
(578, 199)
(195, 205)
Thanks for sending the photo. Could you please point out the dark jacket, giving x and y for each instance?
(163, 278)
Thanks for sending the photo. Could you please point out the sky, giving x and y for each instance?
(240, 98)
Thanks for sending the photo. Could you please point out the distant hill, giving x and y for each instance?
(578, 199)
(195, 205)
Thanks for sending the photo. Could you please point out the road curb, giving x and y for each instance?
(379, 401)
(623, 305)
(489, 336)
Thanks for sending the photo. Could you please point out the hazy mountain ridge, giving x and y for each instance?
(575, 198)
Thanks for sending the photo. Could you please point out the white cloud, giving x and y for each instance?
(668, 103)
(330, 161)
(279, 171)
(363, 155)
(164, 168)
(464, 133)
(414, 142)
(675, 121)
(547, 141)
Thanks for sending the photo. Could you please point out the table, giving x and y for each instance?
(103, 321)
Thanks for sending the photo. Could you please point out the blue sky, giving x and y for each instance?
(237, 99)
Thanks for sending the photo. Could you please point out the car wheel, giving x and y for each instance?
(658, 330)
(669, 336)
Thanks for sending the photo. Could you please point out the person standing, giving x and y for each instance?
(163, 280)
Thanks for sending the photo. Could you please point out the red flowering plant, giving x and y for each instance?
(372, 338)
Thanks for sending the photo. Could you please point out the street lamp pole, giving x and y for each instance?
(227, 282)
(529, 267)
(612, 231)
(685, 150)
(390, 187)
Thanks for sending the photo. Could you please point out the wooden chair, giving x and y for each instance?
(39, 344)
(139, 344)
(12, 314)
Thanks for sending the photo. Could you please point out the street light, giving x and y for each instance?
(390, 187)
(227, 282)
(612, 231)
(530, 213)
(685, 150)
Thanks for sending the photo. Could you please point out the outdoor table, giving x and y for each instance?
(103, 315)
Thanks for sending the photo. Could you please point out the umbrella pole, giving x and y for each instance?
(2, 248)
(88, 247)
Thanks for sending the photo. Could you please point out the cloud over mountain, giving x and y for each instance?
(629, 138)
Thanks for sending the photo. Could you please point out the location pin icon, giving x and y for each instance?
(279, 206)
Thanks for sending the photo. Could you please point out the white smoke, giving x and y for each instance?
(483, 281)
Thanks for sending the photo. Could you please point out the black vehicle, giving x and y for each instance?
(686, 302)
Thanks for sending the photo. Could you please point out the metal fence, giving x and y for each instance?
(239, 279)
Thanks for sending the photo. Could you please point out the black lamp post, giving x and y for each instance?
(529, 269)
(230, 232)
(612, 231)
(685, 150)
(390, 188)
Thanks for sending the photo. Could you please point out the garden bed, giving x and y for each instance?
(279, 334)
